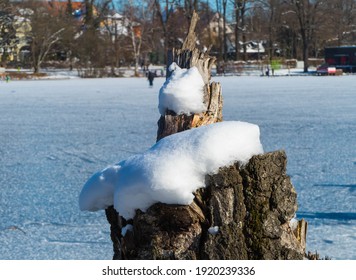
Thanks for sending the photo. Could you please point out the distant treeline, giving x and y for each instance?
(91, 34)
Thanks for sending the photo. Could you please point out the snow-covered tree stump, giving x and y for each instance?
(187, 57)
(244, 212)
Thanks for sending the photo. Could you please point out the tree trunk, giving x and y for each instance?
(224, 31)
(243, 213)
(237, 32)
(36, 67)
(305, 54)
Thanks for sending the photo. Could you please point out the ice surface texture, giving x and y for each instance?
(55, 134)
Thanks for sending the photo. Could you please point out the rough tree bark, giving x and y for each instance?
(249, 206)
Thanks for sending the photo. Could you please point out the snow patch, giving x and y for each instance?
(172, 169)
(293, 223)
(98, 191)
(213, 230)
(126, 228)
(183, 91)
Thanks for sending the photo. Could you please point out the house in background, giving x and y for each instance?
(255, 49)
(343, 58)
(22, 26)
(113, 24)
(19, 49)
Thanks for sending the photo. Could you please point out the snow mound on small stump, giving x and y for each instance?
(183, 91)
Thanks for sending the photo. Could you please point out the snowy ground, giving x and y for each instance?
(55, 134)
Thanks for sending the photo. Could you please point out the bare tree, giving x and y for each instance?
(240, 9)
(7, 30)
(137, 16)
(220, 41)
(115, 38)
(224, 9)
(90, 51)
(69, 8)
(288, 35)
(46, 30)
(71, 28)
(95, 12)
(272, 9)
(339, 26)
(91, 42)
(307, 15)
(189, 7)
(164, 12)
(203, 28)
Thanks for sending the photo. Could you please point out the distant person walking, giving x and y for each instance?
(7, 78)
(267, 71)
(150, 76)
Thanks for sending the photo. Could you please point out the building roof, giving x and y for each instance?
(58, 5)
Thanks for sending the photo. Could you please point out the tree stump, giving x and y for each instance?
(243, 213)
(188, 57)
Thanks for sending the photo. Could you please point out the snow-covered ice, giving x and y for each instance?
(156, 175)
(55, 134)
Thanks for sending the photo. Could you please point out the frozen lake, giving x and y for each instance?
(55, 134)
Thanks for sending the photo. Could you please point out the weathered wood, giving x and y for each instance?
(188, 57)
(171, 123)
(301, 232)
(189, 42)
